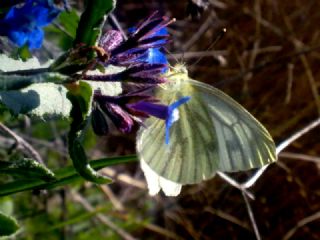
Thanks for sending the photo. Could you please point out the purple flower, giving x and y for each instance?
(142, 73)
(120, 118)
(154, 55)
(114, 107)
(140, 53)
(22, 25)
(138, 48)
(99, 121)
(168, 113)
(110, 40)
(147, 35)
(145, 63)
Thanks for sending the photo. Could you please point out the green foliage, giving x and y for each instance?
(80, 96)
(49, 92)
(15, 81)
(43, 100)
(69, 21)
(6, 205)
(64, 32)
(40, 97)
(91, 21)
(26, 168)
(8, 225)
(64, 176)
(24, 53)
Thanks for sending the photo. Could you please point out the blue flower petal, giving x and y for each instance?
(167, 113)
(157, 110)
(172, 110)
(35, 38)
(156, 56)
(22, 24)
(18, 37)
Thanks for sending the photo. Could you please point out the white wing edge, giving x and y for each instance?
(156, 182)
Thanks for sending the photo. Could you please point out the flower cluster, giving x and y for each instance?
(23, 25)
(145, 63)
(140, 53)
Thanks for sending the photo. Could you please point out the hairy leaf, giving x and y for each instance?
(44, 100)
(26, 168)
(66, 175)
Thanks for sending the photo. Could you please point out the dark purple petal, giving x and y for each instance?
(157, 110)
(122, 100)
(142, 73)
(148, 29)
(126, 59)
(156, 40)
(120, 118)
(110, 40)
(99, 122)
(167, 113)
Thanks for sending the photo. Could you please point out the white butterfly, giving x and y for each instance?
(213, 133)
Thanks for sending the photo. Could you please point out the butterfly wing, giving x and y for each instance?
(213, 133)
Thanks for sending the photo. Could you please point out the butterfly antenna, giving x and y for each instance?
(218, 37)
(172, 56)
(182, 57)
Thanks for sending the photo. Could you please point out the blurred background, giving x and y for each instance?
(268, 60)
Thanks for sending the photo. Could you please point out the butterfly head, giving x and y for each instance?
(179, 68)
(177, 73)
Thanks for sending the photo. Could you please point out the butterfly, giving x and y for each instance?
(213, 133)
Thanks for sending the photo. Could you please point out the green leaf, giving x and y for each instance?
(72, 61)
(6, 205)
(91, 21)
(8, 225)
(43, 100)
(80, 96)
(16, 74)
(64, 176)
(10, 64)
(24, 52)
(26, 168)
(16, 81)
(69, 21)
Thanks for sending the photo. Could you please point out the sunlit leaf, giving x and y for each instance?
(44, 100)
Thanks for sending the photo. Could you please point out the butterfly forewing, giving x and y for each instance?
(213, 133)
(243, 142)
